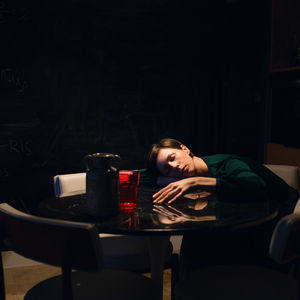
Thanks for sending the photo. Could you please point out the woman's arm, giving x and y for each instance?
(238, 182)
(174, 190)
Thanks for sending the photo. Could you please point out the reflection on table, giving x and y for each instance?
(194, 212)
(171, 215)
(188, 209)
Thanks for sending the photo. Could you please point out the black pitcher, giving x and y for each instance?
(102, 184)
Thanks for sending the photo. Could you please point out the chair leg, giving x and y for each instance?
(2, 284)
(174, 273)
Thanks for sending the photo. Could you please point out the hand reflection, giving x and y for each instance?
(171, 215)
(197, 200)
(197, 195)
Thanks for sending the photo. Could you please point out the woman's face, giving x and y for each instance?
(175, 163)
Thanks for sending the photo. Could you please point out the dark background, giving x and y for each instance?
(85, 76)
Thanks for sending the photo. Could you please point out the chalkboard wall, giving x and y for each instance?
(80, 77)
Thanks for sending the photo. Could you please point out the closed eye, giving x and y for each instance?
(171, 157)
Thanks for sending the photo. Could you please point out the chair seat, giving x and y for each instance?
(106, 285)
(232, 282)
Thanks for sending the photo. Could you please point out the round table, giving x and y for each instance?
(159, 219)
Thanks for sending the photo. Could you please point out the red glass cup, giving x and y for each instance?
(129, 182)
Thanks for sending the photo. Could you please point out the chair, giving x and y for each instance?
(120, 252)
(71, 246)
(290, 174)
(253, 282)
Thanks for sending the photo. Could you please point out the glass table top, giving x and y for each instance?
(185, 215)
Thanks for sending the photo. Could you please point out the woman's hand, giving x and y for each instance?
(174, 190)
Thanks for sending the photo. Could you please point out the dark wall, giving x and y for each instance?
(285, 117)
(245, 79)
(79, 77)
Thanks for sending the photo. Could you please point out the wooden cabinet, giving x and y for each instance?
(285, 35)
(283, 142)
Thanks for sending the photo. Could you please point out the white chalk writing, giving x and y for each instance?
(14, 77)
(20, 146)
(6, 13)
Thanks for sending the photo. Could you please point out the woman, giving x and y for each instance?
(232, 178)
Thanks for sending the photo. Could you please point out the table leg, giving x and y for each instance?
(158, 249)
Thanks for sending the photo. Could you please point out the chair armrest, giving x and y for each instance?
(283, 246)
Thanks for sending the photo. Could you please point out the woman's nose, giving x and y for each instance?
(174, 164)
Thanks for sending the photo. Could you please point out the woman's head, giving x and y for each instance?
(169, 157)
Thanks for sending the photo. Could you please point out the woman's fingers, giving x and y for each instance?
(172, 191)
(167, 195)
(163, 190)
(176, 197)
(163, 197)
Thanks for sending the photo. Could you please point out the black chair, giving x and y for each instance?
(251, 282)
(120, 252)
(76, 248)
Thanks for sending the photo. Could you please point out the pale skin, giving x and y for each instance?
(182, 174)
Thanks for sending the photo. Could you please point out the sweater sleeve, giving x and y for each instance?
(237, 182)
(146, 178)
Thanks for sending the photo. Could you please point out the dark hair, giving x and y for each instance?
(151, 158)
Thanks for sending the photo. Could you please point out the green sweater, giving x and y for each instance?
(240, 178)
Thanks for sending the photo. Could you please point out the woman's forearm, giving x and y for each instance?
(196, 181)
(207, 183)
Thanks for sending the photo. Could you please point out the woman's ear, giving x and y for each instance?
(185, 149)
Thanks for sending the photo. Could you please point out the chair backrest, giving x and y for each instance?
(51, 241)
(285, 241)
(290, 174)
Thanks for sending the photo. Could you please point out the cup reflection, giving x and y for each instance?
(130, 221)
